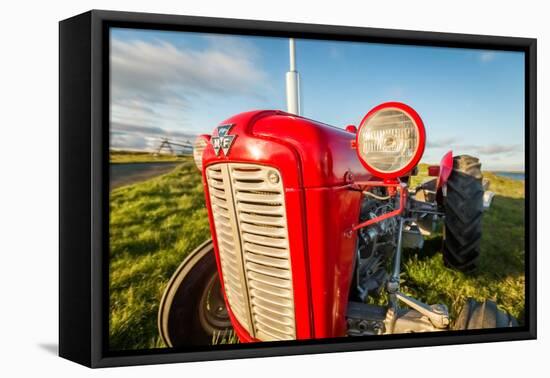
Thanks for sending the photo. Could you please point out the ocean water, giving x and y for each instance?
(512, 175)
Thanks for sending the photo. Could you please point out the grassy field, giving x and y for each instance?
(125, 157)
(156, 223)
(153, 226)
(501, 267)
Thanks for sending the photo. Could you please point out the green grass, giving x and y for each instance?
(500, 276)
(225, 337)
(153, 226)
(125, 157)
(156, 223)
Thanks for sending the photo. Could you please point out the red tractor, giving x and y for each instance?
(309, 221)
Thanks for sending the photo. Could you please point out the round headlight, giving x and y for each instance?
(390, 140)
(198, 148)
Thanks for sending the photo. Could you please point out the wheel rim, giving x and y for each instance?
(213, 313)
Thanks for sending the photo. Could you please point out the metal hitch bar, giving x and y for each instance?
(437, 314)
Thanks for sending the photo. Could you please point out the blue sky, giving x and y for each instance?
(180, 84)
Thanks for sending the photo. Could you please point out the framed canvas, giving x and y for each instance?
(236, 188)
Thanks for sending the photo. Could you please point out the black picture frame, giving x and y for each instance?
(84, 185)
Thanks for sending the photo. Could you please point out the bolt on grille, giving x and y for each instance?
(250, 220)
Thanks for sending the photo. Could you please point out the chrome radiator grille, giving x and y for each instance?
(251, 228)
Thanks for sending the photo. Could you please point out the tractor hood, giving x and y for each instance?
(324, 154)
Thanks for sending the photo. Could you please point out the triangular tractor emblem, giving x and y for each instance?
(223, 141)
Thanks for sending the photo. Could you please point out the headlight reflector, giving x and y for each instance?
(390, 140)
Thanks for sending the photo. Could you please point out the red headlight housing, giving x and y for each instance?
(198, 148)
(390, 140)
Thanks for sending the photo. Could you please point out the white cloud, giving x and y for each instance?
(441, 143)
(487, 56)
(161, 68)
(497, 149)
(155, 83)
(455, 143)
(492, 156)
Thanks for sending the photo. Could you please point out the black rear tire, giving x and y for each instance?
(463, 212)
(480, 315)
(192, 308)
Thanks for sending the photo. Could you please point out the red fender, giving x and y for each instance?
(445, 169)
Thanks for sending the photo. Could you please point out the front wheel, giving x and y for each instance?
(481, 315)
(192, 308)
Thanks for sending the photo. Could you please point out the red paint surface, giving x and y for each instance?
(351, 129)
(445, 169)
(319, 169)
(433, 170)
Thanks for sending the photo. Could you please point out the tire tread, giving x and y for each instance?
(463, 214)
